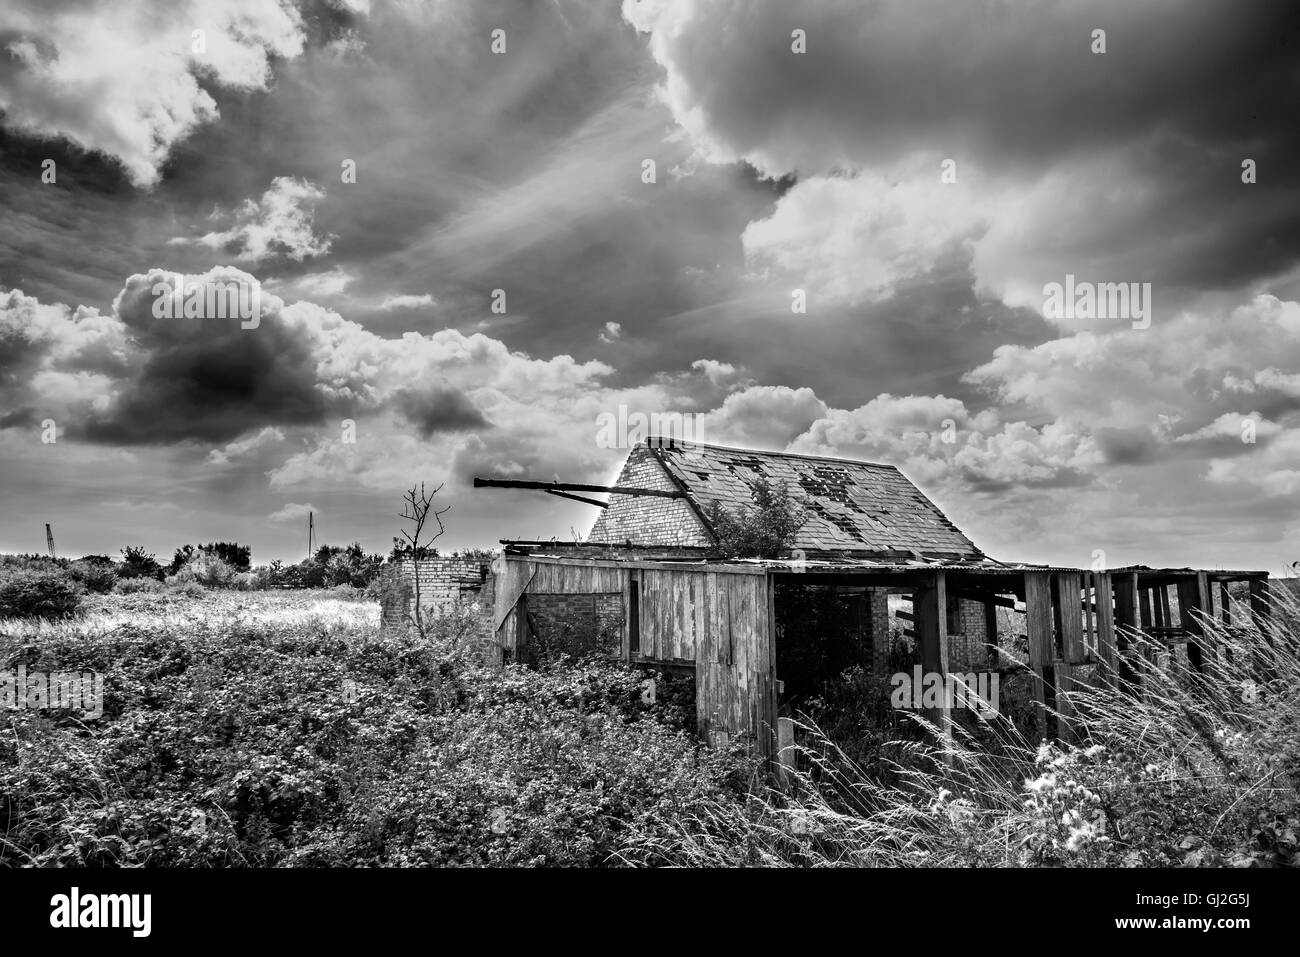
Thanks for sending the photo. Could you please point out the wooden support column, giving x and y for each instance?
(1106, 651)
(1193, 601)
(930, 606)
(1038, 623)
(1128, 626)
(1260, 615)
(1259, 605)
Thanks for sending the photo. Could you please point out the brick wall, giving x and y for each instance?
(878, 610)
(600, 613)
(648, 520)
(446, 584)
(967, 642)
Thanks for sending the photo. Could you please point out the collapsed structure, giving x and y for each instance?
(760, 635)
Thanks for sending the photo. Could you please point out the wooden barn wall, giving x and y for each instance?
(717, 620)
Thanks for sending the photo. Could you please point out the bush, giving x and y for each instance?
(93, 576)
(237, 556)
(767, 530)
(137, 563)
(207, 570)
(39, 594)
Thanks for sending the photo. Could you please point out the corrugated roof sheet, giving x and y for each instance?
(852, 506)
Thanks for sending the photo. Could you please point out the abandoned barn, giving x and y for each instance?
(875, 561)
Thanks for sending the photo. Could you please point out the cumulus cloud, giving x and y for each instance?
(125, 78)
(854, 238)
(763, 416)
(292, 512)
(278, 224)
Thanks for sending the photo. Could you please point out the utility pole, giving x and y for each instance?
(49, 539)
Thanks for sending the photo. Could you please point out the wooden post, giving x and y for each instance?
(1106, 653)
(1038, 622)
(786, 757)
(930, 605)
(1193, 601)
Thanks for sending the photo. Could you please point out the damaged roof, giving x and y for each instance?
(851, 506)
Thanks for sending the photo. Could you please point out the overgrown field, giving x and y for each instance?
(280, 728)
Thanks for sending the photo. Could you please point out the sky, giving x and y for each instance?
(480, 232)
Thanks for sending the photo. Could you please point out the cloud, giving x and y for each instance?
(612, 332)
(330, 283)
(1136, 149)
(406, 302)
(292, 512)
(123, 77)
(441, 410)
(277, 225)
(242, 447)
(855, 238)
(763, 416)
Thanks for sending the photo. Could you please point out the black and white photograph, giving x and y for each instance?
(659, 435)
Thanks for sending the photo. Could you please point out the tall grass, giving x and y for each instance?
(1186, 769)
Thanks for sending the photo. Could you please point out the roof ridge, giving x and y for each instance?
(668, 442)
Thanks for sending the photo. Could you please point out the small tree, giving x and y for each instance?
(416, 543)
(138, 563)
(767, 530)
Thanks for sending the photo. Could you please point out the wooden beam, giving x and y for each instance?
(577, 487)
(577, 498)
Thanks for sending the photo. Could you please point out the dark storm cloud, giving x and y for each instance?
(441, 410)
(205, 379)
(1129, 160)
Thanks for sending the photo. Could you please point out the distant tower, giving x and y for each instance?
(49, 539)
(311, 527)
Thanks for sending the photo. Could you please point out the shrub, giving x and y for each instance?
(137, 563)
(92, 575)
(39, 594)
(205, 569)
(767, 530)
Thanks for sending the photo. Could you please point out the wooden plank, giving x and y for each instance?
(1106, 646)
(1068, 589)
(1089, 626)
(1038, 624)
